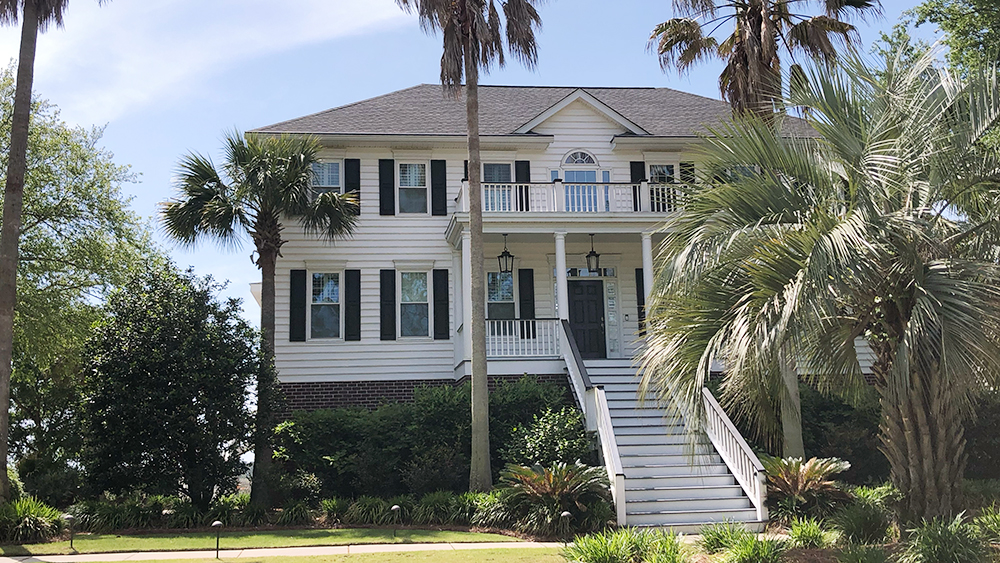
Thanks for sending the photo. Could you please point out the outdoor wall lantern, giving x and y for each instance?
(505, 260)
(593, 258)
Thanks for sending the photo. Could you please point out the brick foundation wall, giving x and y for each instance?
(371, 394)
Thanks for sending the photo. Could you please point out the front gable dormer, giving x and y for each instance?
(581, 97)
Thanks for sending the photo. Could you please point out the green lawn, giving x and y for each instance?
(527, 555)
(107, 543)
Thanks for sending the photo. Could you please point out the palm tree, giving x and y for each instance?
(885, 226)
(263, 180)
(474, 38)
(36, 16)
(760, 30)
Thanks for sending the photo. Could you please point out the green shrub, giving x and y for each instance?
(464, 508)
(752, 550)
(28, 520)
(184, 514)
(862, 523)
(803, 488)
(537, 497)
(945, 541)
(807, 533)
(367, 510)
(491, 510)
(626, 545)
(295, 513)
(16, 487)
(722, 536)
(256, 516)
(439, 468)
(555, 436)
(228, 509)
(862, 554)
(833, 428)
(885, 496)
(980, 493)
(988, 523)
(334, 509)
(436, 508)
(300, 486)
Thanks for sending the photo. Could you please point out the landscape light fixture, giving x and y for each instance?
(505, 260)
(395, 519)
(218, 532)
(69, 518)
(566, 515)
(593, 258)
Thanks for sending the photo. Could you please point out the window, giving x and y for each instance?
(413, 188)
(325, 309)
(496, 173)
(500, 295)
(588, 176)
(579, 157)
(661, 173)
(326, 177)
(414, 310)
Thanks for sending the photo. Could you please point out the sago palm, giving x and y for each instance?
(263, 181)
(759, 31)
(476, 37)
(35, 17)
(881, 227)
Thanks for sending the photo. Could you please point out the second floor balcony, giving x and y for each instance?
(575, 197)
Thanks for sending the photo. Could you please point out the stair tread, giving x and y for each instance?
(694, 511)
(682, 488)
(689, 499)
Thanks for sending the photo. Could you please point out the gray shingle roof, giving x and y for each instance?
(425, 110)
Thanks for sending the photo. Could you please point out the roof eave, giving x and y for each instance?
(346, 140)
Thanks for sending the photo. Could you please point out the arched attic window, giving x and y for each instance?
(579, 157)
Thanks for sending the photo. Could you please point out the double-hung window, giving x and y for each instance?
(500, 295)
(414, 304)
(325, 306)
(326, 177)
(412, 187)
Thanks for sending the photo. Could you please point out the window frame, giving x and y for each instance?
(426, 187)
(317, 189)
(340, 304)
(428, 274)
(508, 163)
(514, 293)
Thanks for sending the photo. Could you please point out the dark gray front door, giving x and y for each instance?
(586, 317)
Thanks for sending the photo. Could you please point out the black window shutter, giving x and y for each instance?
(640, 299)
(638, 170)
(522, 175)
(466, 171)
(387, 303)
(352, 178)
(526, 292)
(352, 304)
(297, 307)
(386, 186)
(439, 187)
(442, 324)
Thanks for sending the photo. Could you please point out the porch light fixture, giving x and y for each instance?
(505, 260)
(593, 258)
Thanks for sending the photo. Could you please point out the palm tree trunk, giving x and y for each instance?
(11, 228)
(260, 488)
(791, 408)
(480, 473)
(923, 437)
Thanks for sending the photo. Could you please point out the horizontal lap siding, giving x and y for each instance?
(377, 242)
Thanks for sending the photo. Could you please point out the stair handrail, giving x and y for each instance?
(736, 453)
(594, 403)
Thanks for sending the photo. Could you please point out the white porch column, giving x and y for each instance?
(647, 264)
(562, 291)
(467, 293)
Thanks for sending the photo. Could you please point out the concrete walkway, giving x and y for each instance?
(273, 552)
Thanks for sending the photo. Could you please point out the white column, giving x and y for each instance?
(647, 264)
(467, 293)
(562, 291)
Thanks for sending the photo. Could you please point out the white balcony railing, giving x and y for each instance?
(575, 197)
(527, 338)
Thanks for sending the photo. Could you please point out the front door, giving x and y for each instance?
(586, 317)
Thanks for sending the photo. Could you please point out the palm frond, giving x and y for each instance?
(680, 43)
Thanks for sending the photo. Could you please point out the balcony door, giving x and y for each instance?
(586, 317)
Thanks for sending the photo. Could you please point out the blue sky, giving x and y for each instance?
(170, 76)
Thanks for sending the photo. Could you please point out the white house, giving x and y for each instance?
(576, 182)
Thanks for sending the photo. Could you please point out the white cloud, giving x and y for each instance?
(115, 59)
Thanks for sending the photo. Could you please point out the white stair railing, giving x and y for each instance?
(736, 453)
(594, 403)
